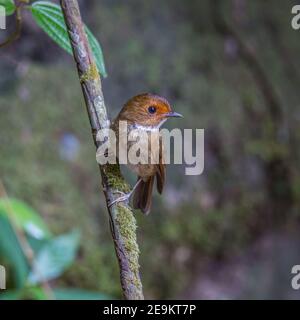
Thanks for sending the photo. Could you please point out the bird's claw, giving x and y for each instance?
(123, 198)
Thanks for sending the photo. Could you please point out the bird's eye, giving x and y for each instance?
(152, 109)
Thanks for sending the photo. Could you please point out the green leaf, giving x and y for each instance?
(34, 293)
(50, 18)
(11, 254)
(24, 217)
(54, 257)
(78, 294)
(9, 6)
(36, 244)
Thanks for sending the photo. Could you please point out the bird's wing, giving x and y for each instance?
(161, 168)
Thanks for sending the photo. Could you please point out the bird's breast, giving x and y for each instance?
(142, 148)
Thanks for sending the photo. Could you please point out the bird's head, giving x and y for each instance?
(147, 110)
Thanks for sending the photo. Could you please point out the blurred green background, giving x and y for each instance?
(230, 67)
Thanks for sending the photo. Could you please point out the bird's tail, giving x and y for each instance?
(142, 198)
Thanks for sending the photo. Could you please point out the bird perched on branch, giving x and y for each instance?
(144, 114)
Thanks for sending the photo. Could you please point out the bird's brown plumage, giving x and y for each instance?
(146, 112)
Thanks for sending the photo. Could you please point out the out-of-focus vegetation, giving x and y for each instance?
(229, 233)
(32, 256)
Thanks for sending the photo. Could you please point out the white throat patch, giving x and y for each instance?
(150, 128)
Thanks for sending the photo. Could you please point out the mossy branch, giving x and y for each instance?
(122, 220)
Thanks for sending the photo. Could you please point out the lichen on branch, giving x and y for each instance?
(122, 220)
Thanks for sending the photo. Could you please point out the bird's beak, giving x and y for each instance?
(174, 115)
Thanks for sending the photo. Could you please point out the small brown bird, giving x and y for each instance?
(145, 113)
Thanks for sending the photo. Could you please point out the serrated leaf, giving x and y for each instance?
(9, 6)
(25, 217)
(54, 258)
(50, 18)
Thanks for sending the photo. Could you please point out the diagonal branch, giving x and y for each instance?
(122, 221)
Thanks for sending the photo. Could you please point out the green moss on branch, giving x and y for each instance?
(91, 74)
(115, 179)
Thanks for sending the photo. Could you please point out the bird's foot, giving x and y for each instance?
(124, 198)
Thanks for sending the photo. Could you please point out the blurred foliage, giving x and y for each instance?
(171, 48)
(9, 6)
(21, 230)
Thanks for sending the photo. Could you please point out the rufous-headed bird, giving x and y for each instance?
(145, 113)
